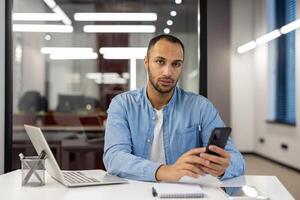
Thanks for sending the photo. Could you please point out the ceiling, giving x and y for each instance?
(185, 20)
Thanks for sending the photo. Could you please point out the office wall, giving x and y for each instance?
(241, 75)
(218, 56)
(2, 64)
(250, 78)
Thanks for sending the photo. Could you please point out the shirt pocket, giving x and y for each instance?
(189, 130)
(186, 139)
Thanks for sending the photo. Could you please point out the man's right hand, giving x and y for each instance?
(187, 165)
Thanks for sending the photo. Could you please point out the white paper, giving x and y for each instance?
(174, 190)
(239, 181)
(208, 180)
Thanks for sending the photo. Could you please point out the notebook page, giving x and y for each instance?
(176, 190)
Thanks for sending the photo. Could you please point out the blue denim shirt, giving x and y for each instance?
(188, 120)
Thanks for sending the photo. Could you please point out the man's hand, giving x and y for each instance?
(215, 165)
(186, 165)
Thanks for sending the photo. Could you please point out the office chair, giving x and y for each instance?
(32, 102)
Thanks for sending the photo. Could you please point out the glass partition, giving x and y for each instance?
(70, 58)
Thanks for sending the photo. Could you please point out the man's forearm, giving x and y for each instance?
(130, 166)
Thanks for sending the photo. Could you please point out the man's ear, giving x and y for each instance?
(146, 62)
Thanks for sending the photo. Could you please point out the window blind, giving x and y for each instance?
(285, 63)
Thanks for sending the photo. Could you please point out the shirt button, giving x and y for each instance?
(148, 140)
(153, 118)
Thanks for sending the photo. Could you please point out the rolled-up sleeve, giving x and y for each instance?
(118, 158)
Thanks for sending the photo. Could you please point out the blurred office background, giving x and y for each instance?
(65, 77)
(65, 69)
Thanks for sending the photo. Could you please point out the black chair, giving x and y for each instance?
(32, 102)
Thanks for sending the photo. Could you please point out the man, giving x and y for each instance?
(159, 133)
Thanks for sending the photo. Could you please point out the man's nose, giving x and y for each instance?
(167, 70)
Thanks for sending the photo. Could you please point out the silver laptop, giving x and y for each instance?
(68, 178)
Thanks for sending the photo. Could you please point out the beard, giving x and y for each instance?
(157, 87)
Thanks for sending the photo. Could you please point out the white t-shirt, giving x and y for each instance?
(157, 153)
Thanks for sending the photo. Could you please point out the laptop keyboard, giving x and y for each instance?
(78, 177)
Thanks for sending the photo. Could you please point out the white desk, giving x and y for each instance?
(11, 189)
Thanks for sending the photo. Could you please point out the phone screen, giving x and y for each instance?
(218, 137)
(245, 191)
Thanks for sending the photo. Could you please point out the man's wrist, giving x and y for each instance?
(221, 176)
(159, 173)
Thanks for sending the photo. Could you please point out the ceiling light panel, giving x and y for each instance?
(74, 56)
(123, 52)
(63, 15)
(115, 16)
(246, 47)
(62, 50)
(119, 28)
(50, 3)
(42, 28)
(290, 27)
(36, 17)
(268, 37)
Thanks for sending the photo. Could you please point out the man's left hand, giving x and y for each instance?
(215, 165)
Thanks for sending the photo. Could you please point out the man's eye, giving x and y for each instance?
(160, 62)
(177, 64)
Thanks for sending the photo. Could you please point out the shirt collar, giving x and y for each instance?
(171, 102)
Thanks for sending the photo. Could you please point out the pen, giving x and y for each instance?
(41, 156)
(21, 155)
(154, 193)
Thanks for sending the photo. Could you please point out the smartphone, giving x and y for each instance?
(246, 192)
(218, 137)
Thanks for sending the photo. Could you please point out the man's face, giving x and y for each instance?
(164, 64)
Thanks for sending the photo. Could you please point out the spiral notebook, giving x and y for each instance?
(175, 190)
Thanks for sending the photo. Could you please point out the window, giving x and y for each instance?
(67, 93)
(282, 53)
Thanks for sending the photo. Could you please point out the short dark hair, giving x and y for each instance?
(169, 38)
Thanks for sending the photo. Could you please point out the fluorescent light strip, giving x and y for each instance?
(119, 28)
(94, 75)
(41, 28)
(125, 75)
(111, 81)
(268, 37)
(56, 9)
(50, 3)
(123, 52)
(63, 15)
(36, 17)
(124, 57)
(290, 27)
(132, 50)
(115, 16)
(246, 47)
(74, 56)
(63, 50)
(99, 75)
(106, 78)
